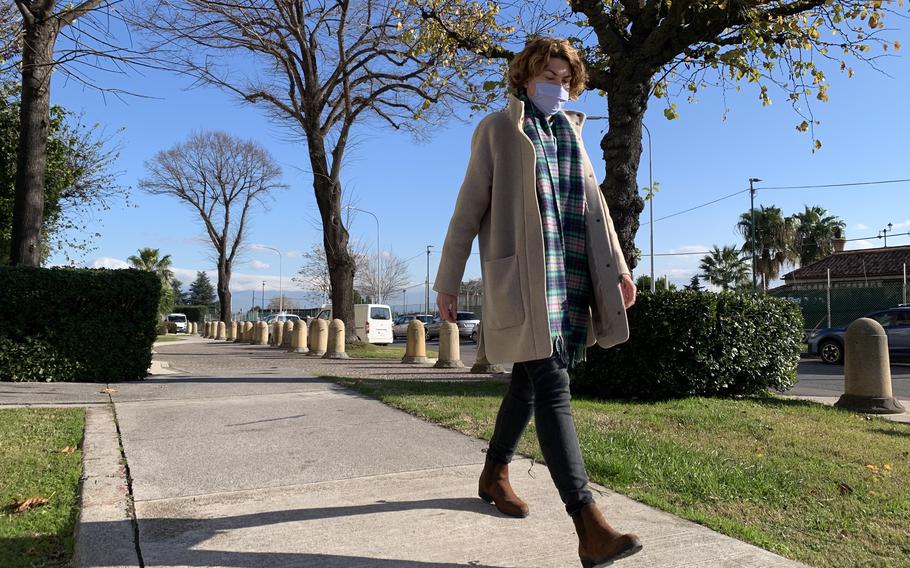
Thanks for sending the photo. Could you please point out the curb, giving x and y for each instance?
(105, 534)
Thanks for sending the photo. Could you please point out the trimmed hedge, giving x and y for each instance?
(68, 324)
(698, 344)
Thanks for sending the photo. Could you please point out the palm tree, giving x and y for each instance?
(815, 233)
(725, 267)
(148, 261)
(775, 236)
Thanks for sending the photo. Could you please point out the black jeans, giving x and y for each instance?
(542, 387)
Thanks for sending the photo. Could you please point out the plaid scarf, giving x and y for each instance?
(561, 195)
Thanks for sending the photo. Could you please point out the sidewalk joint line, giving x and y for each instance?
(129, 483)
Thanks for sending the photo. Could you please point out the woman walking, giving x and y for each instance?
(555, 280)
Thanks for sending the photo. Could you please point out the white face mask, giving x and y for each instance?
(550, 98)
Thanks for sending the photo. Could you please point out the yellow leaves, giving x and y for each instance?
(887, 467)
(759, 453)
(803, 126)
(818, 145)
(670, 112)
(875, 20)
(68, 450)
(107, 390)
(879, 473)
(21, 506)
(814, 33)
(897, 45)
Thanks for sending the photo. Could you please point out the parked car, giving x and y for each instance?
(272, 318)
(400, 325)
(465, 320)
(475, 333)
(179, 322)
(828, 343)
(372, 322)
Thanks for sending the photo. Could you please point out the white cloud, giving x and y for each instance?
(861, 244)
(293, 254)
(108, 262)
(902, 225)
(862, 227)
(258, 265)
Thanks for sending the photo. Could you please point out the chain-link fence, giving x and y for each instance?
(837, 301)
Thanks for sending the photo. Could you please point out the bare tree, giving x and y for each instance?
(221, 177)
(43, 23)
(282, 302)
(392, 276)
(320, 68)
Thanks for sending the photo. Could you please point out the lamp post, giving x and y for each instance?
(650, 205)
(280, 291)
(262, 307)
(378, 253)
(752, 222)
(427, 307)
(404, 305)
(884, 233)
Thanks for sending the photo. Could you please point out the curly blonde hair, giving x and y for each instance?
(535, 57)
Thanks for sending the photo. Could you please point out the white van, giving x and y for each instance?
(180, 322)
(372, 322)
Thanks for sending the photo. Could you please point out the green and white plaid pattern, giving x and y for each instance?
(561, 195)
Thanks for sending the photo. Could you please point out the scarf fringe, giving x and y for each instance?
(571, 357)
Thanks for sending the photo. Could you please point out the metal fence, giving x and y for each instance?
(839, 302)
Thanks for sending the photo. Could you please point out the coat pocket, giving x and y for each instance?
(502, 285)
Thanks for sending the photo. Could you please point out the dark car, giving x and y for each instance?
(466, 322)
(828, 343)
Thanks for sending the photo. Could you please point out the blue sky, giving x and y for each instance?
(411, 186)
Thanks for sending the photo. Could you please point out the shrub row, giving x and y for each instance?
(698, 344)
(67, 324)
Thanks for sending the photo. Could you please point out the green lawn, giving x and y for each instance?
(32, 464)
(170, 337)
(371, 351)
(815, 484)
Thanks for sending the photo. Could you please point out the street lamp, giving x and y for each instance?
(378, 253)
(280, 292)
(262, 306)
(752, 222)
(884, 233)
(650, 205)
(427, 307)
(404, 305)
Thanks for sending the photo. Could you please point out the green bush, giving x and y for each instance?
(67, 324)
(193, 313)
(698, 344)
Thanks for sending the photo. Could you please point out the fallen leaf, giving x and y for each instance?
(887, 467)
(844, 488)
(26, 504)
(68, 450)
(108, 391)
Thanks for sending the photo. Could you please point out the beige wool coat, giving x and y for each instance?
(498, 203)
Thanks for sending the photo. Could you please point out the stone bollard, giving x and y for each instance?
(247, 332)
(288, 332)
(449, 347)
(335, 342)
(277, 333)
(318, 337)
(220, 330)
(481, 364)
(194, 328)
(262, 333)
(867, 370)
(205, 329)
(299, 338)
(230, 331)
(416, 349)
(239, 336)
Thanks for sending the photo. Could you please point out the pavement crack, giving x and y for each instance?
(129, 484)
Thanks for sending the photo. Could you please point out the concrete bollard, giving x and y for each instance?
(247, 332)
(449, 347)
(277, 333)
(481, 364)
(335, 341)
(262, 333)
(205, 329)
(194, 328)
(299, 338)
(239, 336)
(221, 331)
(288, 332)
(867, 370)
(416, 349)
(318, 337)
(230, 331)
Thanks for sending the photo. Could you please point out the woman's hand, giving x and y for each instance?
(627, 286)
(447, 306)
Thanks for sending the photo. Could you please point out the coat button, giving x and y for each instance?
(608, 266)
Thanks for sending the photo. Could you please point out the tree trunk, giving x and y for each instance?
(627, 102)
(28, 209)
(224, 289)
(334, 235)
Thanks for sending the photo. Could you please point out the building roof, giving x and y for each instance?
(874, 263)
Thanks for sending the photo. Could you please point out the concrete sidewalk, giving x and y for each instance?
(263, 468)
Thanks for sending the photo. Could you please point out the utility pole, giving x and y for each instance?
(263, 295)
(752, 213)
(404, 305)
(427, 307)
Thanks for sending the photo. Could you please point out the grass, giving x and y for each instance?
(371, 351)
(815, 484)
(32, 464)
(169, 337)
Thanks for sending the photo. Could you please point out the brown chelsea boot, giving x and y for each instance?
(494, 487)
(599, 544)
